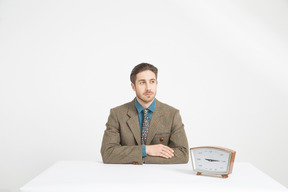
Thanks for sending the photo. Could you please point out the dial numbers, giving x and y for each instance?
(210, 160)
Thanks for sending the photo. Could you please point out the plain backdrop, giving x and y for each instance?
(65, 63)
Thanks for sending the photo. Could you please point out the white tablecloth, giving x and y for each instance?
(66, 176)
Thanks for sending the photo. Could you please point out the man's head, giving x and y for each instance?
(144, 82)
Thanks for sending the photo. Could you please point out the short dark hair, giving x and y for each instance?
(142, 67)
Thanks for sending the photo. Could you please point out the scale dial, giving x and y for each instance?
(212, 160)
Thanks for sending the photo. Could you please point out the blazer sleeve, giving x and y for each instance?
(112, 151)
(178, 142)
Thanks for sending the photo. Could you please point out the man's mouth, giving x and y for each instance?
(148, 94)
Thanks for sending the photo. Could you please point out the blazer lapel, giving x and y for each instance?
(154, 122)
(133, 122)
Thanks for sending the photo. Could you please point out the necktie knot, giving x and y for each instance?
(145, 111)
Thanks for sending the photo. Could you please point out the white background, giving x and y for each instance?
(64, 64)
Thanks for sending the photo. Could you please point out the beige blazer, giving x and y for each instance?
(122, 138)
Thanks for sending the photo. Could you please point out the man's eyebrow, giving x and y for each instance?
(148, 80)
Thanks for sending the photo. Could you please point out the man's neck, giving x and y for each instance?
(143, 103)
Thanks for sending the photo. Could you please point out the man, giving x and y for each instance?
(144, 130)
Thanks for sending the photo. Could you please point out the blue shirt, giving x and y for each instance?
(140, 109)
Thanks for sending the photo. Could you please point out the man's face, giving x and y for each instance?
(145, 86)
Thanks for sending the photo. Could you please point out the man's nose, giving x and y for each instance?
(148, 88)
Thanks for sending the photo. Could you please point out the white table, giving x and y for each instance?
(81, 176)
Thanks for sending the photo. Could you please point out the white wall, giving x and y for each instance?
(64, 64)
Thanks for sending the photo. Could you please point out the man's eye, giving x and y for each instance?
(142, 82)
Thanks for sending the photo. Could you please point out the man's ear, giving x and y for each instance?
(133, 86)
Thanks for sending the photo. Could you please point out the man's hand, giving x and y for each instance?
(159, 150)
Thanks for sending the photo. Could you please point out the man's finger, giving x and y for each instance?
(168, 148)
(171, 154)
(164, 154)
(167, 153)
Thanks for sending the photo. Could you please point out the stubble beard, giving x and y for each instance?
(145, 99)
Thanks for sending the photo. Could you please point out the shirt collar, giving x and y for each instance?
(140, 108)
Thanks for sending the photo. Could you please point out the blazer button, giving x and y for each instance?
(135, 163)
(161, 139)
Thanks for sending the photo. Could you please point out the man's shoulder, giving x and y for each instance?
(123, 107)
(165, 107)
